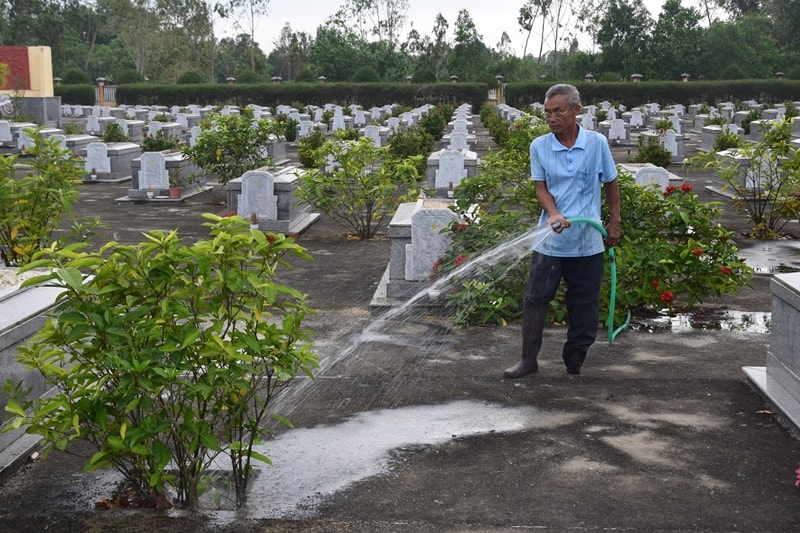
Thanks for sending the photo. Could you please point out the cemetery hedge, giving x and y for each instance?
(77, 94)
(365, 94)
(522, 94)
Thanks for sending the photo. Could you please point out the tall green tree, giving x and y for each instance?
(748, 43)
(676, 42)
(469, 56)
(245, 14)
(622, 29)
(291, 52)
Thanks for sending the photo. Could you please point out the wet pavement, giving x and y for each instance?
(411, 427)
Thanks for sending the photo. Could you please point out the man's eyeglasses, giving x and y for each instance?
(556, 114)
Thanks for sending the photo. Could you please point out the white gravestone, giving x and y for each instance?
(304, 128)
(458, 141)
(153, 175)
(617, 131)
(194, 133)
(6, 137)
(93, 125)
(587, 121)
(373, 132)
(154, 127)
(652, 174)
(97, 160)
(258, 196)
(671, 142)
(393, 123)
(360, 118)
(338, 123)
(451, 169)
(675, 120)
(637, 120)
(428, 243)
(24, 140)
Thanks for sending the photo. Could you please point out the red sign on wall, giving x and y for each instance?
(19, 69)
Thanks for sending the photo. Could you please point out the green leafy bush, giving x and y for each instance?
(726, 141)
(753, 114)
(767, 189)
(189, 77)
(413, 141)
(650, 150)
(76, 77)
(674, 253)
(366, 74)
(230, 145)
(113, 133)
(31, 207)
(159, 142)
(434, 122)
(164, 356)
(362, 187)
(307, 148)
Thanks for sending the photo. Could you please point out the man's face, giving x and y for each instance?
(558, 113)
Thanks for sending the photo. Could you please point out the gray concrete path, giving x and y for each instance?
(411, 427)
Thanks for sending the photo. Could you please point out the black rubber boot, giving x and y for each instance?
(574, 359)
(533, 319)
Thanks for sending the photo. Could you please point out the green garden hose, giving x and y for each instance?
(612, 333)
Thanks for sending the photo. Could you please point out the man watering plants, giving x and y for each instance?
(569, 166)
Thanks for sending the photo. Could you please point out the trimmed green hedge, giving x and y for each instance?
(365, 94)
(632, 94)
(82, 94)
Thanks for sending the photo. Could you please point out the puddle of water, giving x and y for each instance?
(309, 464)
(749, 322)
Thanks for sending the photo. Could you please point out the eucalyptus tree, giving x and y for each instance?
(290, 52)
(244, 15)
(382, 20)
(469, 56)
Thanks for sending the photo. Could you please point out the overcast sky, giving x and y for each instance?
(491, 18)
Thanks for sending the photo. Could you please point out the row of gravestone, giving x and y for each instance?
(416, 240)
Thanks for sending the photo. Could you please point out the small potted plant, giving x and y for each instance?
(175, 187)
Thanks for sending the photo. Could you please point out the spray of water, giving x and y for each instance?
(409, 324)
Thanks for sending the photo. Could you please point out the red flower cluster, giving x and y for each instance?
(655, 283)
(727, 271)
(667, 296)
(270, 237)
(460, 260)
(686, 187)
(697, 251)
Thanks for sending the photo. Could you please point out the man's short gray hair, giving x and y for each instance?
(571, 92)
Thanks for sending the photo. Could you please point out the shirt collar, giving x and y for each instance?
(580, 141)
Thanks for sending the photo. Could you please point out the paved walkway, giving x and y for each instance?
(410, 426)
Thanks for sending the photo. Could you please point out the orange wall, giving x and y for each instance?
(30, 70)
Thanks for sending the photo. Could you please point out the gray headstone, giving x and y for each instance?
(97, 159)
(153, 174)
(428, 243)
(258, 196)
(652, 174)
(458, 141)
(451, 169)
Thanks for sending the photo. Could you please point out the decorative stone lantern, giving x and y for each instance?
(685, 77)
(636, 78)
(453, 79)
(589, 77)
